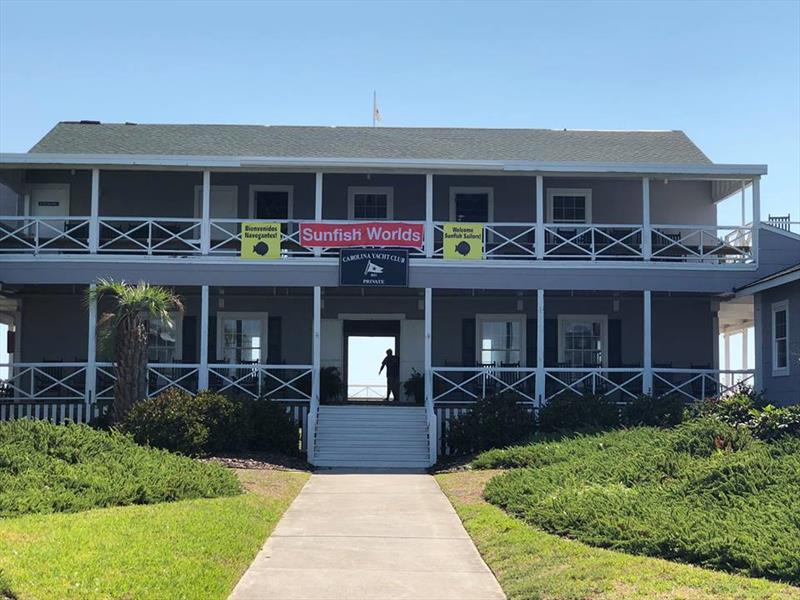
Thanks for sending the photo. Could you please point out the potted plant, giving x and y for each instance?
(414, 387)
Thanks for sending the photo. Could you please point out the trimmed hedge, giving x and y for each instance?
(705, 492)
(46, 468)
(491, 422)
(210, 423)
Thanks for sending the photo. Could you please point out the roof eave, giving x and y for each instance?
(243, 162)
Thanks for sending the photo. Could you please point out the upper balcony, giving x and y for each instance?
(134, 215)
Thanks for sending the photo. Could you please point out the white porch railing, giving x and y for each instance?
(500, 240)
(43, 382)
(358, 391)
(286, 382)
(226, 237)
(571, 241)
(142, 235)
(695, 384)
(714, 244)
(37, 235)
(619, 383)
(474, 383)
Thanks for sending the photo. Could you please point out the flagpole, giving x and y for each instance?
(374, 105)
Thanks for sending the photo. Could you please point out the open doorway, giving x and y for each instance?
(365, 345)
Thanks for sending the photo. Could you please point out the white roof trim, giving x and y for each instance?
(34, 159)
(751, 289)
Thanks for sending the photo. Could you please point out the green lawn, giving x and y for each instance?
(531, 564)
(192, 549)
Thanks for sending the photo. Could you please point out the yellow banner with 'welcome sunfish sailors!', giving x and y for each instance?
(261, 240)
(463, 241)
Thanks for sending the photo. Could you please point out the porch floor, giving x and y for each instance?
(377, 536)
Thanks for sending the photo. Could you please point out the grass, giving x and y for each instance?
(190, 549)
(46, 468)
(664, 493)
(533, 565)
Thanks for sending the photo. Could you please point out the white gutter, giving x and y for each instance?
(242, 162)
(754, 288)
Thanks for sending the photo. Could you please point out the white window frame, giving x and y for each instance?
(262, 316)
(489, 191)
(359, 189)
(553, 192)
(198, 198)
(177, 320)
(288, 189)
(562, 330)
(777, 371)
(480, 319)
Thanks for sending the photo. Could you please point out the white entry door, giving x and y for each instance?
(50, 200)
(224, 205)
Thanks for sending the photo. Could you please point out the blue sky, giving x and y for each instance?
(726, 73)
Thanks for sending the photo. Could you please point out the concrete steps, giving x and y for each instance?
(371, 436)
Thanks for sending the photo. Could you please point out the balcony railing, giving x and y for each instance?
(510, 241)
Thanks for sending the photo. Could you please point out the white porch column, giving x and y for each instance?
(315, 368)
(745, 350)
(540, 372)
(318, 205)
(94, 215)
(756, 216)
(539, 217)
(647, 236)
(429, 231)
(205, 224)
(202, 376)
(758, 339)
(647, 363)
(91, 352)
(433, 429)
(744, 216)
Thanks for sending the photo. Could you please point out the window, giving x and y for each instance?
(471, 204)
(271, 202)
(501, 340)
(780, 338)
(241, 338)
(164, 339)
(582, 340)
(569, 205)
(370, 203)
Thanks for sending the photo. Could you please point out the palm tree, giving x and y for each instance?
(124, 332)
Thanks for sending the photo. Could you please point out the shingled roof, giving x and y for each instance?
(546, 145)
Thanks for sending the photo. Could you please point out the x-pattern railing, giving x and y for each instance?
(480, 382)
(53, 234)
(576, 240)
(594, 381)
(253, 379)
(366, 391)
(150, 236)
(226, 236)
(162, 376)
(713, 243)
(698, 384)
(44, 381)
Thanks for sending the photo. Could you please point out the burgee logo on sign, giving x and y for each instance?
(463, 241)
(261, 241)
(373, 268)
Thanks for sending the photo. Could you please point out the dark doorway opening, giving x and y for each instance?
(365, 344)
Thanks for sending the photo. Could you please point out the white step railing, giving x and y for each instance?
(141, 235)
(38, 235)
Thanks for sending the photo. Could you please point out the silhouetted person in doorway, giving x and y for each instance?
(392, 365)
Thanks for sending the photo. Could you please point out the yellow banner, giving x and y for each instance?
(463, 241)
(261, 241)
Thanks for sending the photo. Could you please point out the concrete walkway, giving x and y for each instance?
(371, 537)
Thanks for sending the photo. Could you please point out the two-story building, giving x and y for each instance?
(522, 262)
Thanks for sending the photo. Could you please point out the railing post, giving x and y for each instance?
(433, 438)
(647, 373)
(202, 375)
(318, 205)
(429, 231)
(90, 389)
(540, 245)
(205, 223)
(540, 372)
(313, 408)
(756, 218)
(647, 235)
(94, 215)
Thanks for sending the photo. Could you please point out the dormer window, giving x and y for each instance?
(569, 205)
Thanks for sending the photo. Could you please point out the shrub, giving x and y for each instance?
(772, 423)
(574, 412)
(170, 421)
(666, 411)
(734, 409)
(705, 436)
(331, 386)
(270, 428)
(414, 387)
(48, 468)
(225, 420)
(492, 422)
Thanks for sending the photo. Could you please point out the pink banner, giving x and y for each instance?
(377, 234)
